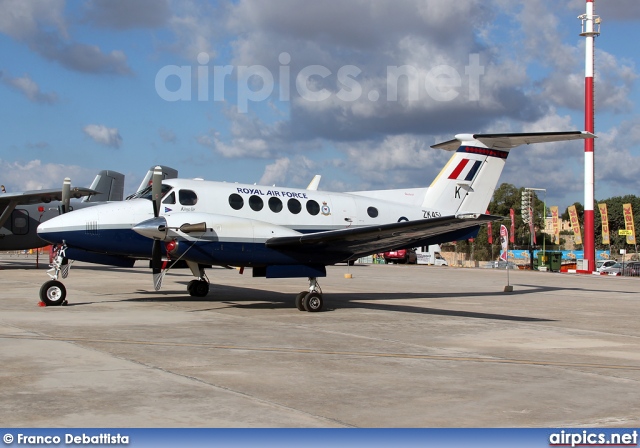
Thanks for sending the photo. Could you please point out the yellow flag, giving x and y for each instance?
(628, 223)
(555, 223)
(575, 224)
(605, 223)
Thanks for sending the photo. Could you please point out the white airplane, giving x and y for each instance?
(284, 232)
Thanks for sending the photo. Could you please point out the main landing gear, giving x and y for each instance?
(53, 292)
(310, 300)
(200, 286)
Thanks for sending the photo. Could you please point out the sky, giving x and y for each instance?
(276, 91)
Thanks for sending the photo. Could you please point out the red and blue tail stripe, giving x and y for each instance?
(467, 174)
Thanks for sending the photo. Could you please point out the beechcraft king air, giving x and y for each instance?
(284, 232)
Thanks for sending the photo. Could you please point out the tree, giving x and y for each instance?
(616, 220)
(507, 197)
(579, 210)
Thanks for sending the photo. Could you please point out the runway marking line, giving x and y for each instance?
(333, 352)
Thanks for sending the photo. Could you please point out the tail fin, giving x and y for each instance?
(167, 173)
(467, 182)
(109, 185)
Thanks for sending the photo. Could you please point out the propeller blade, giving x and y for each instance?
(156, 190)
(156, 264)
(201, 227)
(66, 195)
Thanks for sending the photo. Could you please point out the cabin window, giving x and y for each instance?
(313, 208)
(236, 202)
(294, 206)
(147, 193)
(171, 199)
(255, 202)
(372, 212)
(275, 205)
(187, 197)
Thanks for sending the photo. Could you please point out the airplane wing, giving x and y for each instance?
(9, 201)
(372, 239)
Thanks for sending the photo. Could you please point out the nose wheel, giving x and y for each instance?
(53, 293)
(310, 300)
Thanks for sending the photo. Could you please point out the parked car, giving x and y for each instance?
(631, 269)
(401, 256)
(602, 264)
(616, 269)
(628, 269)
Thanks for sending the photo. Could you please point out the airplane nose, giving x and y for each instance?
(154, 228)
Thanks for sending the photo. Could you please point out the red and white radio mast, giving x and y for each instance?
(590, 29)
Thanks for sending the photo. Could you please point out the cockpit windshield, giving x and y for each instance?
(147, 193)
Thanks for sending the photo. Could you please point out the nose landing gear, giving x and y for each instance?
(53, 292)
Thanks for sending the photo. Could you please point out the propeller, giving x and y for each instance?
(156, 250)
(157, 228)
(66, 195)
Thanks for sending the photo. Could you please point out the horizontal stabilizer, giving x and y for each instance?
(508, 141)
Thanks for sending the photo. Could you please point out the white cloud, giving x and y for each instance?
(238, 147)
(167, 135)
(29, 88)
(125, 14)
(398, 161)
(41, 25)
(194, 26)
(35, 175)
(291, 171)
(104, 135)
(616, 166)
(276, 173)
(22, 20)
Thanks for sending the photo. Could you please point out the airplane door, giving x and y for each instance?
(343, 210)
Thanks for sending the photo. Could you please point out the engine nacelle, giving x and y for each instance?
(186, 226)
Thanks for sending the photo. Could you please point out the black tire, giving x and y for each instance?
(191, 286)
(312, 302)
(299, 299)
(53, 293)
(201, 288)
(351, 262)
(198, 288)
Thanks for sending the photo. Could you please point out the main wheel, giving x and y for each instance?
(299, 299)
(191, 286)
(198, 288)
(312, 302)
(53, 293)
